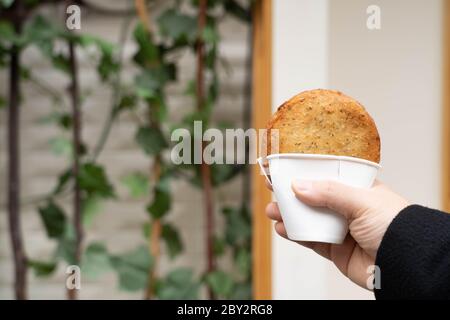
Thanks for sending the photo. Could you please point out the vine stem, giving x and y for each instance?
(155, 173)
(20, 260)
(205, 168)
(74, 92)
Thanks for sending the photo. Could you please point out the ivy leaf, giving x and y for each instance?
(133, 268)
(137, 184)
(221, 173)
(218, 246)
(7, 32)
(148, 52)
(107, 66)
(127, 101)
(161, 199)
(54, 219)
(177, 26)
(63, 179)
(151, 140)
(93, 180)
(220, 283)
(95, 260)
(65, 121)
(43, 33)
(242, 291)
(42, 268)
(238, 226)
(178, 285)
(210, 35)
(60, 62)
(61, 146)
(90, 207)
(160, 204)
(243, 261)
(172, 239)
(151, 81)
(67, 245)
(62, 119)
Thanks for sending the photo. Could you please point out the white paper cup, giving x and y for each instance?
(303, 222)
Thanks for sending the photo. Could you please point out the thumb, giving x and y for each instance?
(343, 199)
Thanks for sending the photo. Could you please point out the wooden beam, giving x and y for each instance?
(261, 112)
(446, 109)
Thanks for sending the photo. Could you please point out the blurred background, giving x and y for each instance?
(87, 113)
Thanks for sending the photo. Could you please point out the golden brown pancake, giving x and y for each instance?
(325, 122)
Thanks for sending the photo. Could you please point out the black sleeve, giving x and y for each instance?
(414, 256)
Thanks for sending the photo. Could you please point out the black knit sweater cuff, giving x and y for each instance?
(414, 256)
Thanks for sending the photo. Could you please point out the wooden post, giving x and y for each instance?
(262, 110)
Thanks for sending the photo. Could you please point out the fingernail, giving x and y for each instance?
(302, 185)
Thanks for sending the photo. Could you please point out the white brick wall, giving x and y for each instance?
(120, 222)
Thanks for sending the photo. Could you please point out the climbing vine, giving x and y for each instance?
(184, 26)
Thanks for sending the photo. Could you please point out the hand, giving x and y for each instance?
(368, 212)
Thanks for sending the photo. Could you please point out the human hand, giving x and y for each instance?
(368, 212)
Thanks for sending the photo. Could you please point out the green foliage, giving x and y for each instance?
(222, 173)
(178, 285)
(238, 227)
(160, 205)
(133, 268)
(172, 239)
(90, 208)
(210, 35)
(63, 180)
(177, 26)
(221, 283)
(61, 119)
(54, 219)
(157, 68)
(137, 184)
(95, 261)
(242, 291)
(243, 260)
(219, 246)
(44, 35)
(127, 102)
(61, 146)
(9, 36)
(66, 249)
(92, 179)
(148, 52)
(151, 140)
(237, 239)
(42, 268)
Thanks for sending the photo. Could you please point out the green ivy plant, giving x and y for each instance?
(157, 63)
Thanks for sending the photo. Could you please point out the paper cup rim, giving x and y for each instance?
(322, 157)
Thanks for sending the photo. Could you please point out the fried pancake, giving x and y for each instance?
(325, 122)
